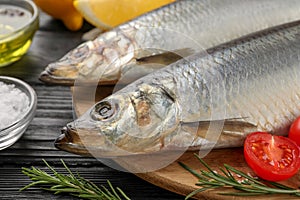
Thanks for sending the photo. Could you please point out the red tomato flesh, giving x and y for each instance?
(271, 157)
(294, 133)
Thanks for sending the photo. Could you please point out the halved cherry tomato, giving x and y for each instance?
(271, 157)
(294, 133)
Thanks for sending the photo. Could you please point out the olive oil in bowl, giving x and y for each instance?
(18, 23)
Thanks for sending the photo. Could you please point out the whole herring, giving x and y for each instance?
(169, 33)
(249, 84)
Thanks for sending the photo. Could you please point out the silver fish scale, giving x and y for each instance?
(255, 80)
(180, 22)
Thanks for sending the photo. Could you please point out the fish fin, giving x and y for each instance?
(92, 34)
(142, 66)
(222, 133)
(134, 71)
(165, 58)
(230, 126)
(235, 132)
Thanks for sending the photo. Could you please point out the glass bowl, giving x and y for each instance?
(11, 132)
(19, 20)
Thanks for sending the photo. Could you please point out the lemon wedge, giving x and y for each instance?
(63, 10)
(106, 14)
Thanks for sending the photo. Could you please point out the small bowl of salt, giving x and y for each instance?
(17, 108)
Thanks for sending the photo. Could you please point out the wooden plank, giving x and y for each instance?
(11, 179)
(177, 179)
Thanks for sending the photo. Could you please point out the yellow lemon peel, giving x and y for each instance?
(63, 10)
(106, 14)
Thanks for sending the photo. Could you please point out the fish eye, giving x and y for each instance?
(104, 110)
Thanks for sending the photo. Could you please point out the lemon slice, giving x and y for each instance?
(109, 13)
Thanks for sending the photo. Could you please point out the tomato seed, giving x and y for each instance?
(288, 162)
(255, 144)
(290, 158)
(289, 155)
(288, 150)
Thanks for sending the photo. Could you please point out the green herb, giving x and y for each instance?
(209, 179)
(71, 184)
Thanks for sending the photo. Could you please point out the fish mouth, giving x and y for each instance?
(59, 74)
(48, 76)
(70, 141)
(87, 143)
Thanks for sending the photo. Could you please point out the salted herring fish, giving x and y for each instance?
(249, 84)
(165, 35)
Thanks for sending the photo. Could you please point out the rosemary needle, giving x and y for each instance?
(208, 179)
(72, 184)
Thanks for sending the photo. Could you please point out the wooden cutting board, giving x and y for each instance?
(173, 177)
(178, 180)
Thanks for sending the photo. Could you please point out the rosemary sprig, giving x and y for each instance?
(209, 179)
(71, 184)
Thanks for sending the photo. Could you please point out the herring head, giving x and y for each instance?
(66, 69)
(97, 60)
(141, 121)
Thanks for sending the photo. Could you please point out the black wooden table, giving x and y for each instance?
(54, 110)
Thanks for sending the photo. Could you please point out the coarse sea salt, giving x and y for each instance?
(13, 104)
